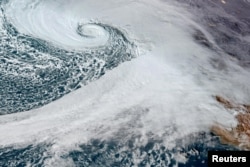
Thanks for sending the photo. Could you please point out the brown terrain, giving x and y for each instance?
(239, 135)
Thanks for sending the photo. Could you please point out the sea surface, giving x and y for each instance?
(119, 83)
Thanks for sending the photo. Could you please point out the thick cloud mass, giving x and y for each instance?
(160, 66)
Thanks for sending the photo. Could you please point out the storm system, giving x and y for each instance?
(115, 83)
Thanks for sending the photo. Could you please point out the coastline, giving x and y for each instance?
(238, 136)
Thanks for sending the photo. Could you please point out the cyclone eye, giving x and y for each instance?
(90, 31)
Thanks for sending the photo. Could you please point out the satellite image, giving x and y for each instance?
(123, 83)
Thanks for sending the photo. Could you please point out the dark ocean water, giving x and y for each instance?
(115, 153)
(64, 71)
